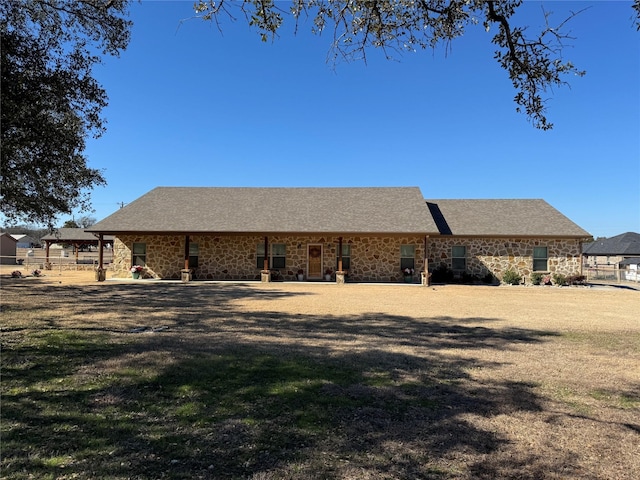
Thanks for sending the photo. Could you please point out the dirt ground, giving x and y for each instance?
(597, 307)
(549, 375)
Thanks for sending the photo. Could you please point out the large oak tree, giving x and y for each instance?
(51, 103)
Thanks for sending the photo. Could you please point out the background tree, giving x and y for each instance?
(533, 60)
(70, 224)
(32, 230)
(86, 221)
(51, 102)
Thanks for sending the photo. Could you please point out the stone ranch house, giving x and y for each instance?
(372, 234)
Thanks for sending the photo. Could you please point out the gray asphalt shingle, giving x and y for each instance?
(72, 235)
(268, 210)
(358, 210)
(624, 244)
(502, 217)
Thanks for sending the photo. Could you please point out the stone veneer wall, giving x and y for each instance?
(373, 259)
(497, 255)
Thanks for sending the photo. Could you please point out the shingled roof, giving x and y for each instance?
(388, 210)
(625, 244)
(72, 235)
(528, 217)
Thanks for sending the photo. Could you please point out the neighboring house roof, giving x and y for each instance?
(392, 210)
(73, 235)
(6, 236)
(631, 261)
(625, 244)
(528, 217)
(24, 238)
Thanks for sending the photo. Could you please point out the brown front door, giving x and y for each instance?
(314, 259)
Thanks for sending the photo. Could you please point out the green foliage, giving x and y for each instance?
(70, 224)
(442, 274)
(536, 278)
(468, 278)
(560, 279)
(511, 277)
(534, 61)
(51, 102)
(489, 278)
(576, 279)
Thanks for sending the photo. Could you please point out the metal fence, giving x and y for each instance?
(58, 259)
(611, 273)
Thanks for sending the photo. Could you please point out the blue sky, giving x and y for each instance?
(190, 106)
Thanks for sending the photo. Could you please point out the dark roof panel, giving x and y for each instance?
(624, 244)
(264, 210)
(525, 217)
(73, 235)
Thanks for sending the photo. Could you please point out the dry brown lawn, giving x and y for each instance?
(456, 382)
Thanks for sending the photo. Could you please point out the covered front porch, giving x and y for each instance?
(270, 257)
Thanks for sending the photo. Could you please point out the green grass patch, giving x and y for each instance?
(610, 341)
(248, 406)
(617, 399)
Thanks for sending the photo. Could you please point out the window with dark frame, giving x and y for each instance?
(194, 252)
(459, 258)
(139, 254)
(260, 256)
(407, 256)
(277, 256)
(540, 259)
(346, 257)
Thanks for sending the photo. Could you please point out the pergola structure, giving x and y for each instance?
(77, 237)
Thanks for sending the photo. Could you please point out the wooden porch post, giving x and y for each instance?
(100, 273)
(186, 252)
(100, 251)
(426, 276)
(265, 274)
(185, 273)
(340, 274)
(265, 266)
(426, 257)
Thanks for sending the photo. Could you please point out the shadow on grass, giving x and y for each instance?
(230, 394)
(137, 304)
